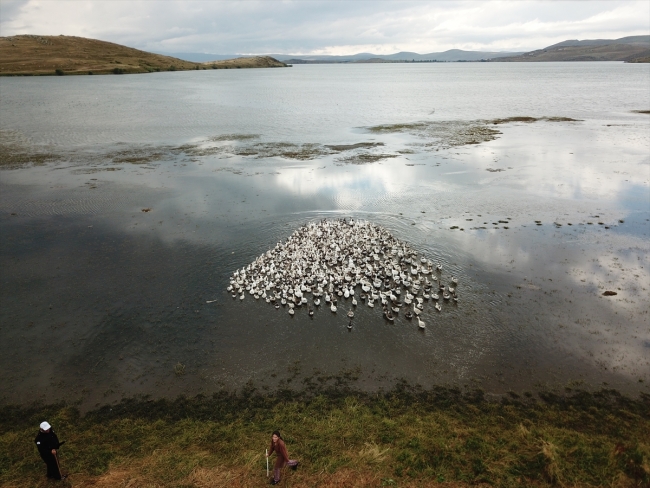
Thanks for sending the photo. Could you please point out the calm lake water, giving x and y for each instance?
(147, 191)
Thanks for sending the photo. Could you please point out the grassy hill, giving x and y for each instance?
(629, 49)
(69, 55)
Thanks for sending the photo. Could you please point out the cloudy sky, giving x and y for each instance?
(327, 27)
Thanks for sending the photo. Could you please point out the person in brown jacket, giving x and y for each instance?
(281, 456)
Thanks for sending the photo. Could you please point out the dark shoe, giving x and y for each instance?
(273, 482)
(295, 466)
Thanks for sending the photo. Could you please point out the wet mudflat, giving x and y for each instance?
(111, 251)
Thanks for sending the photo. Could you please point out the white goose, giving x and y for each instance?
(421, 324)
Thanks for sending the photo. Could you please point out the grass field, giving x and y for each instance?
(404, 438)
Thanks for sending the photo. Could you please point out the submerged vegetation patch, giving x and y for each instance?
(508, 120)
(454, 133)
(16, 152)
(365, 158)
(233, 137)
(443, 135)
(410, 436)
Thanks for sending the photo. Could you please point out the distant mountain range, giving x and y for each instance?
(631, 49)
(446, 56)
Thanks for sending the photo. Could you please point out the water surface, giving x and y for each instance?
(101, 299)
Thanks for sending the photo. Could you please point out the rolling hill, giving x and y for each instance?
(69, 55)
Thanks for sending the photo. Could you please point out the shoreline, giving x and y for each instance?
(406, 437)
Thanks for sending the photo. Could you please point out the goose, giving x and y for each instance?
(333, 308)
(454, 280)
(421, 324)
(291, 305)
(283, 301)
(277, 305)
(311, 312)
(346, 293)
(350, 325)
(291, 312)
(371, 303)
(416, 310)
(446, 296)
(408, 315)
(435, 296)
(354, 301)
(242, 297)
(451, 289)
(317, 302)
(439, 267)
(389, 316)
(395, 309)
(350, 313)
(438, 307)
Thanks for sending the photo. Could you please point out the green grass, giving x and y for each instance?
(408, 437)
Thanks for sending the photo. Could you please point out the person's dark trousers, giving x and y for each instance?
(52, 466)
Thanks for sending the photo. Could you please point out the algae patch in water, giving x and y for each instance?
(365, 158)
(532, 119)
(443, 135)
(358, 145)
(233, 137)
(17, 151)
(454, 133)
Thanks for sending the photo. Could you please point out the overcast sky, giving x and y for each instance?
(327, 27)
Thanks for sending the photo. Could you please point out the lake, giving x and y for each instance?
(127, 202)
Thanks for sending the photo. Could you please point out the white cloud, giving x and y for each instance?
(328, 27)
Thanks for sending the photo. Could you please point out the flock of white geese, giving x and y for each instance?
(341, 262)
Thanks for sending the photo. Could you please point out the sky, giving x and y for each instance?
(327, 27)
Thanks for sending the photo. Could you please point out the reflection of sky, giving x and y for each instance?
(538, 276)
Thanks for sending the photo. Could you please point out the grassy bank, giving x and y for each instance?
(404, 438)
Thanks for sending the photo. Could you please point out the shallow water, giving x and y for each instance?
(102, 300)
